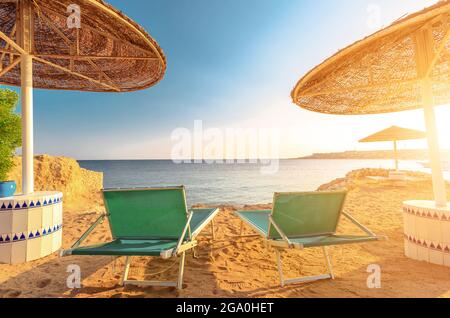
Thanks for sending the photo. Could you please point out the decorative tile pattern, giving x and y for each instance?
(26, 204)
(6, 206)
(427, 214)
(426, 237)
(436, 246)
(26, 236)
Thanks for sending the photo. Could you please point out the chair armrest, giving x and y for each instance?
(359, 225)
(278, 229)
(84, 236)
(186, 228)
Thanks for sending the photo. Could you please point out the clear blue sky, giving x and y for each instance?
(231, 63)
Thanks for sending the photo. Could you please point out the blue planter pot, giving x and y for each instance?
(7, 189)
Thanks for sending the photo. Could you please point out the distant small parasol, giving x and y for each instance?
(395, 134)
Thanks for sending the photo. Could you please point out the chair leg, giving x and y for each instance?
(309, 279)
(280, 267)
(241, 234)
(181, 272)
(194, 253)
(142, 283)
(114, 265)
(126, 271)
(328, 260)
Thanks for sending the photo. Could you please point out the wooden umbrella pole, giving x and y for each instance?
(439, 185)
(396, 155)
(424, 58)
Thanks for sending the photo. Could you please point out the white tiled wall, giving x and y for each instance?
(427, 235)
(6, 222)
(30, 223)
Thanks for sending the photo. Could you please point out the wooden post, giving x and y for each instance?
(396, 155)
(439, 185)
(424, 59)
(25, 37)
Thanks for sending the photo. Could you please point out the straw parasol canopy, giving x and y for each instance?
(402, 67)
(395, 134)
(107, 53)
(84, 45)
(379, 74)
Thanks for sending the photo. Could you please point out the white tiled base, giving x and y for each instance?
(30, 227)
(427, 232)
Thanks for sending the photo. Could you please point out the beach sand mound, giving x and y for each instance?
(81, 188)
(236, 267)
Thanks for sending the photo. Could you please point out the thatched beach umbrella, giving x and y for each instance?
(395, 134)
(403, 67)
(84, 45)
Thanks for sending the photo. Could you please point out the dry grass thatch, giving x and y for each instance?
(395, 133)
(381, 73)
(109, 52)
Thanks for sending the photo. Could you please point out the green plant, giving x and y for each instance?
(10, 131)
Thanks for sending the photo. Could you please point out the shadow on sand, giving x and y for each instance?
(236, 268)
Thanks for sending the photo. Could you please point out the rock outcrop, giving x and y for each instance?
(352, 179)
(81, 187)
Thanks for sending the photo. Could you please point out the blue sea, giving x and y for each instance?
(234, 183)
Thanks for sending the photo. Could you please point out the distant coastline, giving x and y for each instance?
(421, 155)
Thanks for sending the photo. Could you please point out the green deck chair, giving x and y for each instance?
(148, 222)
(304, 220)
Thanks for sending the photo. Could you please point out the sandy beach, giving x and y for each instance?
(222, 104)
(231, 266)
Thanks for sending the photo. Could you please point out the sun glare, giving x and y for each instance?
(442, 117)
